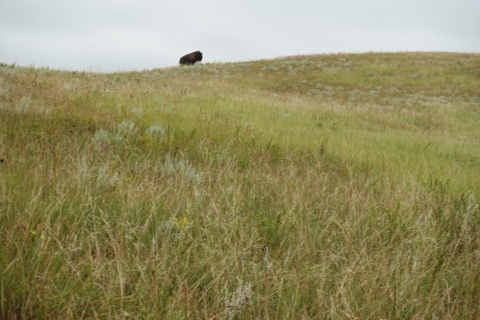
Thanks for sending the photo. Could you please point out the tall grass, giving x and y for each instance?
(312, 187)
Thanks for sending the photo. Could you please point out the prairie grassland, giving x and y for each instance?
(311, 187)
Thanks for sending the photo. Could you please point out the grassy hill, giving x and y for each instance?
(310, 187)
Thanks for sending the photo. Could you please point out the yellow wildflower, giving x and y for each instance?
(184, 223)
(181, 224)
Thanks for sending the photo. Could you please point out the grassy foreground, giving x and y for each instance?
(314, 187)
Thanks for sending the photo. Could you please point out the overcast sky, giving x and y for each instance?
(120, 35)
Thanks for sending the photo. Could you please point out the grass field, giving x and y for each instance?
(342, 186)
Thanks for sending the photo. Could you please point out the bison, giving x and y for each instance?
(191, 58)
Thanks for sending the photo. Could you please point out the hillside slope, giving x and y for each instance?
(326, 186)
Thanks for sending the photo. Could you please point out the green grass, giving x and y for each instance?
(310, 187)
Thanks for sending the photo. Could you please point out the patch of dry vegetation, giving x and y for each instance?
(312, 187)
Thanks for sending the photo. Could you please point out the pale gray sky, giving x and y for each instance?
(120, 35)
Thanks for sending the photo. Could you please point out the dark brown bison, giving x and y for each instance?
(191, 58)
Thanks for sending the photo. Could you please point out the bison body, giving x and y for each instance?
(191, 58)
